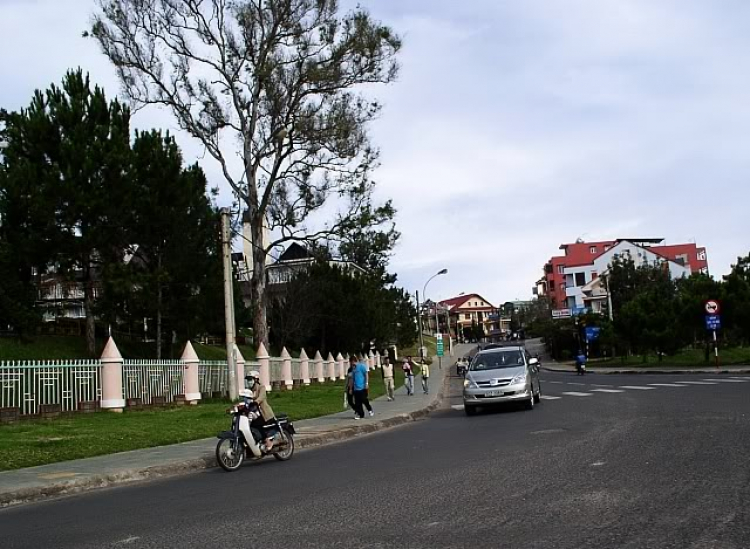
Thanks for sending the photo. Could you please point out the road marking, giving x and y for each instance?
(598, 463)
(548, 397)
(547, 431)
(665, 385)
(458, 406)
(559, 382)
(574, 383)
(574, 394)
(727, 380)
(735, 377)
(699, 382)
(607, 391)
(127, 540)
(637, 387)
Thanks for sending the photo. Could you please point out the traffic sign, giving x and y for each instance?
(440, 348)
(713, 322)
(592, 333)
(712, 306)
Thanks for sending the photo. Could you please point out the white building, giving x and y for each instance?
(582, 288)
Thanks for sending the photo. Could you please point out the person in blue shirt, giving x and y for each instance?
(360, 388)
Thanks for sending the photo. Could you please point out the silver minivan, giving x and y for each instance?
(501, 375)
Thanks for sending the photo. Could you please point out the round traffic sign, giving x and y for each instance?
(712, 307)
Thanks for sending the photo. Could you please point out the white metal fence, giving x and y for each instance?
(146, 379)
(27, 385)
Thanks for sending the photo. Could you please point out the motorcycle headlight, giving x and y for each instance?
(520, 378)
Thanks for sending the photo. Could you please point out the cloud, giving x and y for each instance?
(515, 126)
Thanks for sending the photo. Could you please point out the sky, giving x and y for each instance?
(514, 126)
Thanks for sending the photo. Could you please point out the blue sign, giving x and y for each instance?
(579, 311)
(713, 322)
(592, 333)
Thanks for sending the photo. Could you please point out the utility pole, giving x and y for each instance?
(419, 320)
(226, 249)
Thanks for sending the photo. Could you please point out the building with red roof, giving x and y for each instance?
(582, 262)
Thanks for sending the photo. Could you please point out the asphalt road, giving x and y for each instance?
(661, 463)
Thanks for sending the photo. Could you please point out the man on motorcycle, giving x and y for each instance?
(252, 382)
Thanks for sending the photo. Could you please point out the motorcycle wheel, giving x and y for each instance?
(230, 454)
(287, 453)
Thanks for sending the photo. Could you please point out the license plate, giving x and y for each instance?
(493, 393)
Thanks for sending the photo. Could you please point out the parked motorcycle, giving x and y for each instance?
(244, 441)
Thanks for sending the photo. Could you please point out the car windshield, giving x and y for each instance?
(497, 360)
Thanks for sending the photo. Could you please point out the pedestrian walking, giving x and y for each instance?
(349, 388)
(360, 388)
(425, 373)
(409, 375)
(387, 371)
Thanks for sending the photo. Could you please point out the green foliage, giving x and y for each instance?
(131, 225)
(332, 308)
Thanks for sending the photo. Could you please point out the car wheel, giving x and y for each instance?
(538, 397)
(470, 410)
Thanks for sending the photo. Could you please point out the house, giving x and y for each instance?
(468, 309)
(570, 280)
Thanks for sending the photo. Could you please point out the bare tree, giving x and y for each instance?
(281, 83)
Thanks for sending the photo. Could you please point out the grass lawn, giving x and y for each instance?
(686, 358)
(38, 442)
(74, 347)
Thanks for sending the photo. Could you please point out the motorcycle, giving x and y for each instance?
(244, 441)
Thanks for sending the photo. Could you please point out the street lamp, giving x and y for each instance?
(419, 312)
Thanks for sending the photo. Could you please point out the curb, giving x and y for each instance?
(29, 495)
(661, 372)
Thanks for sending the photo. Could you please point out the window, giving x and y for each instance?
(592, 249)
(580, 279)
(607, 247)
(561, 269)
(467, 316)
(594, 275)
(490, 360)
(702, 255)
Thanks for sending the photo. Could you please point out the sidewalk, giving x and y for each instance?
(35, 483)
(710, 370)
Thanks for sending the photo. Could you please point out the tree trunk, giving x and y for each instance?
(159, 299)
(88, 303)
(258, 283)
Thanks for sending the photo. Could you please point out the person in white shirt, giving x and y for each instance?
(425, 371)
(388, 378)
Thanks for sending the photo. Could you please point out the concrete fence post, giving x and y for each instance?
(378, 364)
(320, 374)
(341, 366)
(331, 367)
(240, 360)
(190, 375)
(304, 367)
(111, 359)
(371, 360)
(286, 369)
(265, 366)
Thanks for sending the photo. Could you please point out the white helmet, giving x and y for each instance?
(254, 374)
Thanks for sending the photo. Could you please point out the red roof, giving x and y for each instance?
(460, 300)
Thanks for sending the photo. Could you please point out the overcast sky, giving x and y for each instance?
(515, 126)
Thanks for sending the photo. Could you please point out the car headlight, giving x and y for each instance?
(520, 378)
(469, 384)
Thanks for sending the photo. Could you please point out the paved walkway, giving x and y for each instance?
(72, 476)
